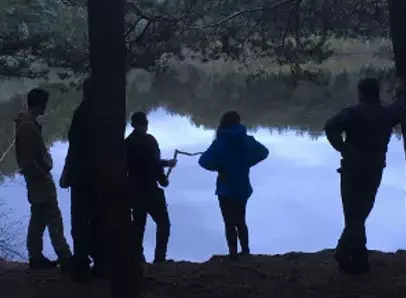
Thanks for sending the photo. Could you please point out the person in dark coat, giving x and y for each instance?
(367, 127)
(86, 227)
(35, 163)
(231, 155)
(145, 171)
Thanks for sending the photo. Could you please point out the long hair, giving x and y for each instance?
(228, 119)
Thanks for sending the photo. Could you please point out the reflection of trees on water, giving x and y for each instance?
(275, 101)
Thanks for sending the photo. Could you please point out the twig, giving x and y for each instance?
(175, 155)
(188, 153)
(3, 156)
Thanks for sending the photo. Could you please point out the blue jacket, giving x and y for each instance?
(232, 155)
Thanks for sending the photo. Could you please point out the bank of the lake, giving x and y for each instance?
(294, 275)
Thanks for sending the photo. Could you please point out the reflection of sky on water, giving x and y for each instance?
(295, 205)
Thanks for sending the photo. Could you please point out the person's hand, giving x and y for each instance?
(164, 182)
(63, 181)
(351, 153)
(172, 163)
(221, 176)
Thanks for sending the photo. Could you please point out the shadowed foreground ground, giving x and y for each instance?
(286, 276)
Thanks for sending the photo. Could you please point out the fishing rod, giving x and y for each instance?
(175, 156)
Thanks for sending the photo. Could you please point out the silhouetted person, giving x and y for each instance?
(36, 164)
(145, 171)
(232, 154)
(86, 227)
(367, 127)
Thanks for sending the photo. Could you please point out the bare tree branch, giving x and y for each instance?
(137, 10)
(132, 28)
(241, 12)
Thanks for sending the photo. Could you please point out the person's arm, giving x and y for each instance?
(29, 142)
(65, 179)
(257, 151)
(75, 136)
(156, 162)
(336, 126)
(208, 160)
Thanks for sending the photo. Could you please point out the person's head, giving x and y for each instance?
(37, 101)
(369, 90)
(139, 120)
(228, 119)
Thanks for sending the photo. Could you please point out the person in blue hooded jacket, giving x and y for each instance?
(231, 155)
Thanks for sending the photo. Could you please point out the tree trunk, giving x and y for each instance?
(108, 121)
(397, 15)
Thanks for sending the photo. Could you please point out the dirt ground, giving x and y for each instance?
(293, 275)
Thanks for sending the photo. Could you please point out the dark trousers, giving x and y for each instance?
(151, 202)
(358, 190)
(87, 228)
(233, 211)
(45, 213)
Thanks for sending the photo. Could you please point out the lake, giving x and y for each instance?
(295, 206)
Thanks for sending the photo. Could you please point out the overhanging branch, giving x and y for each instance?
(242, 12)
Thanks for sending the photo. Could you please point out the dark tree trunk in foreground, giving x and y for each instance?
(397, 12)
(108, 121)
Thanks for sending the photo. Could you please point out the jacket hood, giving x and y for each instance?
(236, 132)
(24, 117)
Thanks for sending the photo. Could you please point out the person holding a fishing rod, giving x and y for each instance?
(145, 171)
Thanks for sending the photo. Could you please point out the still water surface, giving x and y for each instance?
(295, 206)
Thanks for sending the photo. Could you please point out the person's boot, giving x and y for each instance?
(99, 272)
(233, 253)
(343, 258)
(80, 272)
(245, 252)
(42, 263)
(66, 266)
(82, 276)
(162, 261)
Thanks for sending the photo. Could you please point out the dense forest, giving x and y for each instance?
(54, 32)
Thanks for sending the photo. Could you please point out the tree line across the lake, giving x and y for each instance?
(275, 102)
